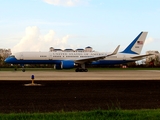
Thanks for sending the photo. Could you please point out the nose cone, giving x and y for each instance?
(10, 60)
(6, 60)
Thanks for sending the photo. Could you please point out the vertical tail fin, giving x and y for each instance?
(136, 45)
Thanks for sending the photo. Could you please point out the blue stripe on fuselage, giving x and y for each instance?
(110, 62)
(13, 60)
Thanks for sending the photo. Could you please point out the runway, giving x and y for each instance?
(97, 75)
(67, 91)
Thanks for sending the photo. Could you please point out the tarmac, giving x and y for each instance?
(96, 75)
(82, 91)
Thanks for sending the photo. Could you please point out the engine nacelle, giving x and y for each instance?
(66, 64)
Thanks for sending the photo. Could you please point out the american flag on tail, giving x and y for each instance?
(140, 42)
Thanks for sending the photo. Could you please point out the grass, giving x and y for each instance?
(87, 115)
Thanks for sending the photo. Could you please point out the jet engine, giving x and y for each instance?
(66, 64)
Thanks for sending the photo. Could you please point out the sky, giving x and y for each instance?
(37, 25)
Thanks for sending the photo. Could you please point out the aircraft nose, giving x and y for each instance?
(9, 60)
(6, 60)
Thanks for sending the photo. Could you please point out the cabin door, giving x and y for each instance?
(50, 56)
(21, 57)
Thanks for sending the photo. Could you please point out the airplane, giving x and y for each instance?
(68, 59)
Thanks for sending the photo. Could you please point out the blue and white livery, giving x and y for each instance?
(65, 60)
(130, 54)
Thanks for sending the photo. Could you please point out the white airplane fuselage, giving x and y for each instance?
(58, 57)
(64, 60)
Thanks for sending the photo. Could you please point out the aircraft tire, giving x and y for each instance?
(77, 70)
(81, 70)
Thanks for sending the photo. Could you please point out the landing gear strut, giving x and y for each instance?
(23, 69)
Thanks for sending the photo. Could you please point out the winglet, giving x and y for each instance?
(115, 51)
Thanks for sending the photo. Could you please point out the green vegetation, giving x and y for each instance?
(87, 115)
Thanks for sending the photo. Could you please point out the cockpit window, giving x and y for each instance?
(12, 56)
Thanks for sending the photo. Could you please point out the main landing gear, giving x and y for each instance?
(81, 68)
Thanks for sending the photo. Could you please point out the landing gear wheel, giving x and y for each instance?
(77, 70)
(81, 70)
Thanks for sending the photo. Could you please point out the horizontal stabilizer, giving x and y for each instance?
(141, 56)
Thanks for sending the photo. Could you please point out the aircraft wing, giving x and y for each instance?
(90, 59)
(141, 56)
